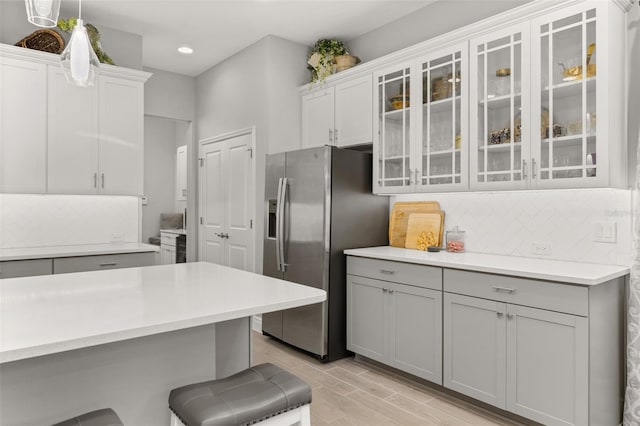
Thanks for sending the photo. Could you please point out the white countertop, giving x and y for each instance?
(54, 313)
(543, 269)
(175, 231)
(26, 253)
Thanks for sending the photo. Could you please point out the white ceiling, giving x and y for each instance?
(216, 29)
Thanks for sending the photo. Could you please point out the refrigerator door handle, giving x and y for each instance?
(282, 203)
(278, 228)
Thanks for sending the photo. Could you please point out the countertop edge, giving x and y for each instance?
(76, 251)
(575, 280)
(56, 347)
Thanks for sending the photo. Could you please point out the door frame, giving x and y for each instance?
(218, 139)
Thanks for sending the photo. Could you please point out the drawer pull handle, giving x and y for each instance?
(504, 289)
(387, 271)
(109, 264)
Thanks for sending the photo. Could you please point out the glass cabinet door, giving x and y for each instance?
(499, 110)
(442, 163)
(392, 149)
(566, 86)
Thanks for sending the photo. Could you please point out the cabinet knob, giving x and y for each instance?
(499, 314)
(390, 291)
(384, 290)
(509, 316)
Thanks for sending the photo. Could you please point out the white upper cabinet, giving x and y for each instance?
(392, 147)
(121, 136)
(73, 137)
(23, 126)
(537, 119)
(317, 118)
(181, 173)
(500, 139)
(61, 139)
(577, 88)
(353, 112)
(339, 115)
(421, 126)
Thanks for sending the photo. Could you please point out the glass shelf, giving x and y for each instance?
(502, 147)
(569, 88)
(441, 153)
(500, 101)
(441, 105)
(568, 140)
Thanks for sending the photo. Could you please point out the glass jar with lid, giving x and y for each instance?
(455, 240)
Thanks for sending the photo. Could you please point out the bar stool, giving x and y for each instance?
(261, 395)
(104, 417)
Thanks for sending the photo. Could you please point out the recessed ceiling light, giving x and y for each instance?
(186, 50)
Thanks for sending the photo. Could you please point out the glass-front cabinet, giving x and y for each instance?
(392, 130)
(442, 119)
(537, 103)
(500, 100)
(421, 135)
(569, 85)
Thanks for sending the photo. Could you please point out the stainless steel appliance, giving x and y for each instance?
(318, 203)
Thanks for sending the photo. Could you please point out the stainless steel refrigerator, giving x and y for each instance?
(318, 202)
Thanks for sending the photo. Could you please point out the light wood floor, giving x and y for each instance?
(356, 392)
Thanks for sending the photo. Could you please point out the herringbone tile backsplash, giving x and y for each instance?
(28, 220)
(509, 222)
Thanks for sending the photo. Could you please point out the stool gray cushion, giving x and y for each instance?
(104, 417)
(247, 397)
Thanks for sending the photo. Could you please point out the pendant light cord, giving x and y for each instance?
(79, 9)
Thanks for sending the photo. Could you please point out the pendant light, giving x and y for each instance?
(43, 13)
(78, 60)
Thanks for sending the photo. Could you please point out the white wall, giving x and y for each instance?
(255, 87)
(430, 21)
(167, 94)
(285, 72)
(159, 173)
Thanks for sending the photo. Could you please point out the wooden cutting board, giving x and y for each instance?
(424, 229)
(399, 218)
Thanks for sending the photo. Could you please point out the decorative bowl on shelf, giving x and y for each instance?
(575, 73)
(399, 102)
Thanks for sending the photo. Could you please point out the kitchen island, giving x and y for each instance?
(123, 338)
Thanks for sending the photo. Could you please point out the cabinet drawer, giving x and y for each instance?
(25, 268)
(521, 291)
(95, 263)
(168, 239)
(406, 273)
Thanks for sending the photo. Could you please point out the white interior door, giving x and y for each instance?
(239, 205)
(212, 202)
(227, 200)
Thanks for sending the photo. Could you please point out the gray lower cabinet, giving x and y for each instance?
(63, 265)
(395, 323)
(25, 268)
(556, 368)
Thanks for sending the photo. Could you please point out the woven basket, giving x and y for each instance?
(45, 40)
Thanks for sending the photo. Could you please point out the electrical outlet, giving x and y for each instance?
(144, 200)
(117, 237)
(604, 231)
(541, 248)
